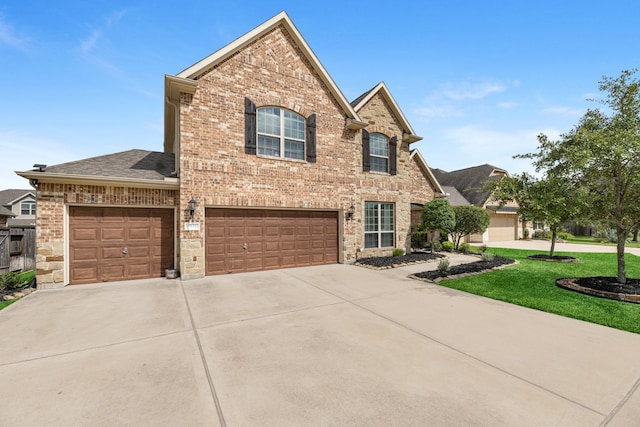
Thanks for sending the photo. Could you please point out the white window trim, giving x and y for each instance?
(281, 137)
(379, 231)
(32, 207)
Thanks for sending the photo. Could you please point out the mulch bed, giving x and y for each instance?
(555, 258)
(464, 269)
(385, 262)
(604, 287)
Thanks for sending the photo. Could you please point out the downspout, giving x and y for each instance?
(176, 136)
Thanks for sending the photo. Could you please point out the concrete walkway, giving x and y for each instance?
(318, 346)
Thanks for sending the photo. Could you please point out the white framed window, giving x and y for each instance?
(379, 225)
(379, 152)
(28, 208)
(538, 225)
(281, 133)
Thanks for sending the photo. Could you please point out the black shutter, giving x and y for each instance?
(366, 161)
(393, 156)
(250, 133)
(311, 138)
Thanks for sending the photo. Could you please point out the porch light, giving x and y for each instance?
(351, 212)
(192, 207)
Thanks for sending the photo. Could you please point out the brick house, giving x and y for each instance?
(265, 165)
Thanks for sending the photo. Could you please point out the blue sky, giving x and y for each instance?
(478, 80)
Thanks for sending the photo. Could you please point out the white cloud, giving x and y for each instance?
(89, 44)
(507, 105)
(11, 38)
(471, 90)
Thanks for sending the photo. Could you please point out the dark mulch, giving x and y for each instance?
(604, 287)
(394, 261)
(472, 267)
(555, 258)
(610, 284)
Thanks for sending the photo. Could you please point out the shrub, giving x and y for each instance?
(482, 249)
(436, 246)
(443, 265)
(565, 235)
(398, 252)
(525, 234)
(540, 234)
(9, 281)
(464, 247)
(418, 239)
(488, 256)
(447, 246)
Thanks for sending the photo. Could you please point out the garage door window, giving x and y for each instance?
(378, 225)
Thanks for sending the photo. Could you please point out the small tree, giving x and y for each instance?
(438, 215)
(469, 220)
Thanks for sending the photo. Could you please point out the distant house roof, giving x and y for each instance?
(21, 222)
(134, 166)
(9, 197)
(455, 198)
(469, 181)
(6, 212)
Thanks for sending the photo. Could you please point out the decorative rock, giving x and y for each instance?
(8, 297)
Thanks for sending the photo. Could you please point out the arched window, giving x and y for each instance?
(281, 133)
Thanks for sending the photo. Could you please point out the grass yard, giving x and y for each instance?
(4, 304)
(532, 284)
(588, 240)
(23, 278)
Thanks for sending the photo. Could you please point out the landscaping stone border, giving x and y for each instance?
(571, 285)
(461, 275)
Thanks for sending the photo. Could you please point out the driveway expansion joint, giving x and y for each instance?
(620, 404)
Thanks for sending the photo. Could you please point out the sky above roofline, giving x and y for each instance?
(477, 80)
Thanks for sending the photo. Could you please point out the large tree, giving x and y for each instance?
(602, 154)
(468, 220)
(551, 199)
(438, 215)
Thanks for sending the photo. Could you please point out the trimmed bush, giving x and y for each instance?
(565, 236)
(464, 247)
(447, 246)
(443, 265)
(488, 256)
(398, 252)
(418, 239)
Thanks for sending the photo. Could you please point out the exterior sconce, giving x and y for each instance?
(351, 212)
(192, 207)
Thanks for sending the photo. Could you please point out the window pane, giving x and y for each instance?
(269, 120)
(379, 145)
(293, 149)
(293, 125)
(379, 164)
(386, 214)
(371, 240)
(268, 145)
(28, 208)
(386, 240)
(370, 216)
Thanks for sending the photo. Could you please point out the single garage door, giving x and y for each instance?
(502, 228)
(240, 240)
(109, 244)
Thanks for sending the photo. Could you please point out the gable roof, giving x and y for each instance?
(469, 181)
(422, 164)
(139, 168)
(455, 197)
(6, 212)
(408, 134)
(11, 196)
(281, 19)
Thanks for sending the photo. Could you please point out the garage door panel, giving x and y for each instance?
(99, 235)
(502, 228)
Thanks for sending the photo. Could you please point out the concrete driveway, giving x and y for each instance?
(321, 346)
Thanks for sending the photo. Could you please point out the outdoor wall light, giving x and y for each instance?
(192, 207)
(351, 212)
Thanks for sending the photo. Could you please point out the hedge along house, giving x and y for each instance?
(265, 165)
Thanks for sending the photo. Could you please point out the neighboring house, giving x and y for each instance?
(17, 208)
(265, 165)
(465, 187)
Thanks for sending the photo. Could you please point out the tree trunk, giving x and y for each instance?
(635, 235)
(622, 237)
(554, 235)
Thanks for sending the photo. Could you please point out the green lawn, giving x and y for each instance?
(25, 277)
(588, 240)
(4, 304)
(532, 284)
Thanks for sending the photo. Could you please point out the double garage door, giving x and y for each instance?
(109, 244)
(239, 240)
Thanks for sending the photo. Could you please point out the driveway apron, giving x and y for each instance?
(326, 345)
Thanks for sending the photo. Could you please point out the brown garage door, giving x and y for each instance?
(255, 239)
(108, 244)
(502, 228)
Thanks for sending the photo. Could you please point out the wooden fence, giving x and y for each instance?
(17, 249)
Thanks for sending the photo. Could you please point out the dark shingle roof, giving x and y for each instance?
(455, 198)
(137, 164)
(6, 212)
(9, 196)
(469, 181)
(361, 97)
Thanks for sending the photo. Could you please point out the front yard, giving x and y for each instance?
(532, 284)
